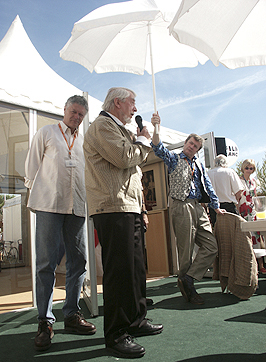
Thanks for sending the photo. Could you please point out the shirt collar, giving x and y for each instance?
(182, 155)
(116, 119)
(65, 128)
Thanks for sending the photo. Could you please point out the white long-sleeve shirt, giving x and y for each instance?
(56, 187)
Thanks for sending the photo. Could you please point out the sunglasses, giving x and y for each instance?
(249, 168)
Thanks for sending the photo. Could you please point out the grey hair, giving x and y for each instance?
(221, 160)
(197, 138)
(116, 92)
(79, 100)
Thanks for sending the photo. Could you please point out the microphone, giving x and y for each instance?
(138, 120)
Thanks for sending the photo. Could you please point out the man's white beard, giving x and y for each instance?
(128, 120)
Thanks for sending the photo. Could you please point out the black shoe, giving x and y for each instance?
(126, 347)
(44, 335)
(147, 329)
(149, 301)
(77, 324)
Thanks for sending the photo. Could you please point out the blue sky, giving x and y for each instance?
(231, 103)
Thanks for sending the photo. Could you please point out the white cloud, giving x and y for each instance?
(239, 84)
(251, 152)
(216, 111)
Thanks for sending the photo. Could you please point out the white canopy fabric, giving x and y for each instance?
(116, 38)
(167, 135)
(130, 36)
(26, 80)
(230, 32)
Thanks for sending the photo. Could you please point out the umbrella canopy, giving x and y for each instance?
(228, 32)
(132, 37)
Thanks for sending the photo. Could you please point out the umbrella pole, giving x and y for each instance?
(153, 77)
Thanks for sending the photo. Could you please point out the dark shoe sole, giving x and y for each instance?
(76, 331)
(116, 353)
(146, 334)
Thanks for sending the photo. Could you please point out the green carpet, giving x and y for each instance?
(224, 329)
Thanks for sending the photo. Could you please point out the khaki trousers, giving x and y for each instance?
(192, 226)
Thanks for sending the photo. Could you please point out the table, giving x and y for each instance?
(258, 225)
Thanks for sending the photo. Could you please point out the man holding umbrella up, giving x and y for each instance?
(114, 193)
(189, 185)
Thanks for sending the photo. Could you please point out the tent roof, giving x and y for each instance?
(26, 80)
(167, 135)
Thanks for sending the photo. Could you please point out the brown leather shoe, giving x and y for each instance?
(77, 324)
(44, 335)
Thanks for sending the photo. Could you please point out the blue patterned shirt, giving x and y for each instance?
(171, 160)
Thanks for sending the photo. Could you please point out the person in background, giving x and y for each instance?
(55, 175)
(227, 185)
(246, 205)
(114, 194)
(189, 186)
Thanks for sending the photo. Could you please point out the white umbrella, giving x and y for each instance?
(231, 32)
(130, 36)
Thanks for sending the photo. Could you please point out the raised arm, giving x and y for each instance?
(155, 120)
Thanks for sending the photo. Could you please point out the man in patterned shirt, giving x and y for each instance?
(189, 187)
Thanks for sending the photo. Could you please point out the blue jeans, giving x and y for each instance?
(50, 228)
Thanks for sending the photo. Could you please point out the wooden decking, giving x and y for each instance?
(16, 288)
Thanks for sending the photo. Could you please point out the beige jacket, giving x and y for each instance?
(112, 179)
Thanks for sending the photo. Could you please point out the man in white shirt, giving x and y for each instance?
(226, 184)
(55, 175)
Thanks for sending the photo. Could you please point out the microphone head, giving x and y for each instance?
(138, 120)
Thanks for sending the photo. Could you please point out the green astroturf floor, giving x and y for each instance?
(224, 329)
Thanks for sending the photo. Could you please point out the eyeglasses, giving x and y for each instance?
(249, 168)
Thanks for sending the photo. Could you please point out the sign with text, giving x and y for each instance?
(228, 148)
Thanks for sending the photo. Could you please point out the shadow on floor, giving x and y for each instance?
(234, 357)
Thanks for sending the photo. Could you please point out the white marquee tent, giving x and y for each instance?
(26, 80)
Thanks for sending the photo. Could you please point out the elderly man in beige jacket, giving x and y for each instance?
(114, 194)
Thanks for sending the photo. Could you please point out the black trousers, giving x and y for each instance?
(124, 276)
(228, 206)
